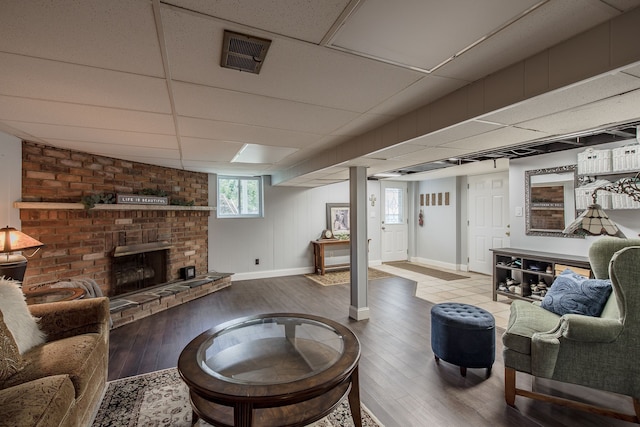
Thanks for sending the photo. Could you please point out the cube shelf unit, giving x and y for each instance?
(526, 272)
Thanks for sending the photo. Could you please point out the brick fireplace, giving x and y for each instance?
(81, 243)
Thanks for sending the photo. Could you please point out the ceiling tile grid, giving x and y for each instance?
(90, 76)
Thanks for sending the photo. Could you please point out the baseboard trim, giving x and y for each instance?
(435, 263)
(265, 274)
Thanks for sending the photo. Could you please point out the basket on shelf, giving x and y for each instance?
(584, 195)
(593, 162)
(626, 158)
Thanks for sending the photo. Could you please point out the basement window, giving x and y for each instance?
(240, 197)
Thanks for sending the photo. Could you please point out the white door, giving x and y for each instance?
(488, 219)
(394, 223)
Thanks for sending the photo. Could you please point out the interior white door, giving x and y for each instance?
(488, 219)
(394, 224)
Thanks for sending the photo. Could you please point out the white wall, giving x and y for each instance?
(437, 242)
(11, 188)
(293, 216)
(628, 220)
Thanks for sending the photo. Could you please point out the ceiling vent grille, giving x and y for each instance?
(244, 53)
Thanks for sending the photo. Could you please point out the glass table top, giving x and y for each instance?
(271, 350)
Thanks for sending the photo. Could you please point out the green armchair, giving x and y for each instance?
(597, 352)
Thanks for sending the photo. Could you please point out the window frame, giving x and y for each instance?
(241, 180)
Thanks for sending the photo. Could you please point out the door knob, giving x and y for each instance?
(383, 228)
(508, 233)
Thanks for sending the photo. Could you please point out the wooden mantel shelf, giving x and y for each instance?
(108, 207)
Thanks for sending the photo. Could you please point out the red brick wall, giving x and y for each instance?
(79, 243)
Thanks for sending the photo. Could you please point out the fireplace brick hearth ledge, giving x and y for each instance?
(131, 307)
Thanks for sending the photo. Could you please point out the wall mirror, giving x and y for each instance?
(550, 200)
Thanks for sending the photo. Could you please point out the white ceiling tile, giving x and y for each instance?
(58, 81)
(197, 149)
(299, 19)
(429, 155)
(401, 33)
(362, 124)
(633, 70)
(211, 129)
(563, 99)
(454, 133)
(225, 168)
(116, 150)
(499, 138)
(395, 151)
(545, 26)
(255, 153)
(422, 92)
(619, 109)
(114, 34)
(158, 161)
(101, 136)
(292, 70)
(216, 104)
(61, 113)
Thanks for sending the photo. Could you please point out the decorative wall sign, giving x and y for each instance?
(422, 200)
(136, 199)
(439, 199)
(433, 199)
(446, 198)
(426, 199)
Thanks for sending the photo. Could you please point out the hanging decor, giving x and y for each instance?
(421, 218)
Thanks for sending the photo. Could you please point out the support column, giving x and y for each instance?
(358, 242)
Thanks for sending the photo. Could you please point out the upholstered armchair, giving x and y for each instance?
(597, 352)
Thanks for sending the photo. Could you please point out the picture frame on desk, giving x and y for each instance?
(338, 219)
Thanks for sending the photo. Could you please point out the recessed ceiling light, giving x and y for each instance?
(387, 175)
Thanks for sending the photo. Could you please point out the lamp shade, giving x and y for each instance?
(12, 240)
(593, 222)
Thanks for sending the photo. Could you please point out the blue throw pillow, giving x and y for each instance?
(571, 293)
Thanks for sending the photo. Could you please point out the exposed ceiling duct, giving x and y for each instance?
(243, 52)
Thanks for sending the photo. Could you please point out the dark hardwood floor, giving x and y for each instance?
(399, 379)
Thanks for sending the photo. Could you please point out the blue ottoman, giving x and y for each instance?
(463, 335)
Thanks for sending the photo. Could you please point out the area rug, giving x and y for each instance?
(343, 276)
(416, 268)
(161, 398)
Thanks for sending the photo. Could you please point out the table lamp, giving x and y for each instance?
(594, 221)
(13, 266)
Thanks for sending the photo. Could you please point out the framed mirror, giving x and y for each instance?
(550, 200)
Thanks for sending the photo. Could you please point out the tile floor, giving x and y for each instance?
(475, 290)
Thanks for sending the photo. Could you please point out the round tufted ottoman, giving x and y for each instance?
(463, 335)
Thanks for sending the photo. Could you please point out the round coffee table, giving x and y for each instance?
(279, 369)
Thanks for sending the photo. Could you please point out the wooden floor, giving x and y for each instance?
(399, 379)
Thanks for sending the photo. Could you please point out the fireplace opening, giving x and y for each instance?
(137, 267)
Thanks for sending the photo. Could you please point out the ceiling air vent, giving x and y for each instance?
(244, 53)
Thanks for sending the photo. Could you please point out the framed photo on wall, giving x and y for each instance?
(338, 219)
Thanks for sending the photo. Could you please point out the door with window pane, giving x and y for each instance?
(394, 225)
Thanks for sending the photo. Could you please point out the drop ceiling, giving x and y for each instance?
(141, 80)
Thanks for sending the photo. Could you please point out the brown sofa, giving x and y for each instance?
(63, 380)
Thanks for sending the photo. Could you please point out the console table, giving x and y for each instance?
(318, 254)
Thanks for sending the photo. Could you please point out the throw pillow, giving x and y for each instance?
(10, 358)
(572, 293)
(22, 325)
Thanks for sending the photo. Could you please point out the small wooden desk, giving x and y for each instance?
(318, 254)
